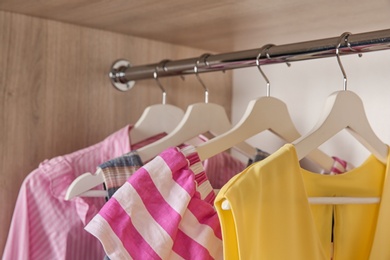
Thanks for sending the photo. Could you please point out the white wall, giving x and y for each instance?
(305, 86)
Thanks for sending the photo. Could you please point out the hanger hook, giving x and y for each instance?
(343, 39)
(206, 91)
(155, 76)
(264, 49)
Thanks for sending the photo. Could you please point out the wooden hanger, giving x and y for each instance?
(199, 118)
(265, 113)
(343, 110)
(83, 184)
(156, 119)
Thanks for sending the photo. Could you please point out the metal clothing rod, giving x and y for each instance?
(122, 75)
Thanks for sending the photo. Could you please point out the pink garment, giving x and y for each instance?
(340, 166)
(44, 225)
(221, 168)
(164, 211)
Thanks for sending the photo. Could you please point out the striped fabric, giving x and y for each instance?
(340, 166)
(221, 168)
(116, 171)
(44, 225)
(164, 211)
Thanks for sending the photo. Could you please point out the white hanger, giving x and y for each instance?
(156, 119)
(199, 118)
(83, 184)
(265, 113)
(343, 110)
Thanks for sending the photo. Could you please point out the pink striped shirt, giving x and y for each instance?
(163, 211)
(44, 225)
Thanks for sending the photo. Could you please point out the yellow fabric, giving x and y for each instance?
(271, 218)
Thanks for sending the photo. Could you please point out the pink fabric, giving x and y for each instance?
(340, 166)
(44, 225)
(164, 211)
(221, 168)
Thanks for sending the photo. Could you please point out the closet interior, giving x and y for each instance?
(62, 64)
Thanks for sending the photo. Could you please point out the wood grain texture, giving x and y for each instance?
(55, 96)
(221, 26)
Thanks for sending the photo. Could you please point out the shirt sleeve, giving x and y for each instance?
(19, 237)
(44, 226)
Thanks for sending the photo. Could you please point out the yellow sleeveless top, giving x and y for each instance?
(270, 216)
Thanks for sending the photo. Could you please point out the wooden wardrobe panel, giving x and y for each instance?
(222, 26)
(56, 98)
(22, 73)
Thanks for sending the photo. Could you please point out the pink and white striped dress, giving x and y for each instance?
(164, 211)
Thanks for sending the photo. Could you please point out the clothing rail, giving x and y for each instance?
(123, 76)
